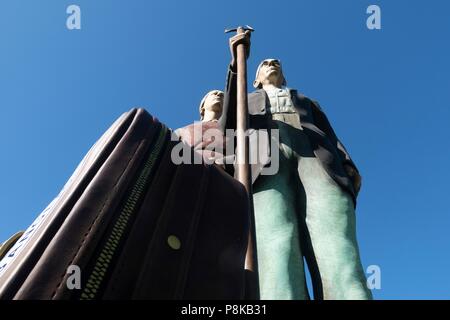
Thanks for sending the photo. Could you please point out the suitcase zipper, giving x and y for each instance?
(101, 266)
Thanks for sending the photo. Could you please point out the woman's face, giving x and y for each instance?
(214, 101)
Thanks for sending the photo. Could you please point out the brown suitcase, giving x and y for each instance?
(136, 225)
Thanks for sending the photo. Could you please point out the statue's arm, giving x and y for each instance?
(322, 122)
(228, 117)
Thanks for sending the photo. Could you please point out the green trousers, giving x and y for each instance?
(302, 213)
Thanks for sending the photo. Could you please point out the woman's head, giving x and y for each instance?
(211, 105)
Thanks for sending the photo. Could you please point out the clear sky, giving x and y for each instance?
(386, 92)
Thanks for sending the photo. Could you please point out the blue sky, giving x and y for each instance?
(386, 92)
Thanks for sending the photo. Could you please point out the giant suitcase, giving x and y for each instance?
(135, 225)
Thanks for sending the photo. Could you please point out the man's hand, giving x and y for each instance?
(242, 38)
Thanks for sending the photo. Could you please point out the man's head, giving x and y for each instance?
(211, 106)
(269, 72)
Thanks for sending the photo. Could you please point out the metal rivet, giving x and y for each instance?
(174, 242)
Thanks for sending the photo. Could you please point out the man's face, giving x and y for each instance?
(270, 72)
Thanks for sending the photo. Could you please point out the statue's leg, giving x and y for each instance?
(281, 269)
(331, 223)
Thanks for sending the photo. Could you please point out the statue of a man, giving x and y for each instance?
(306, 209)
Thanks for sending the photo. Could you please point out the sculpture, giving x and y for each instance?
(307, 209)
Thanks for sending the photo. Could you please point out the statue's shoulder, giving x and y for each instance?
(304, 99)
(315, 104)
